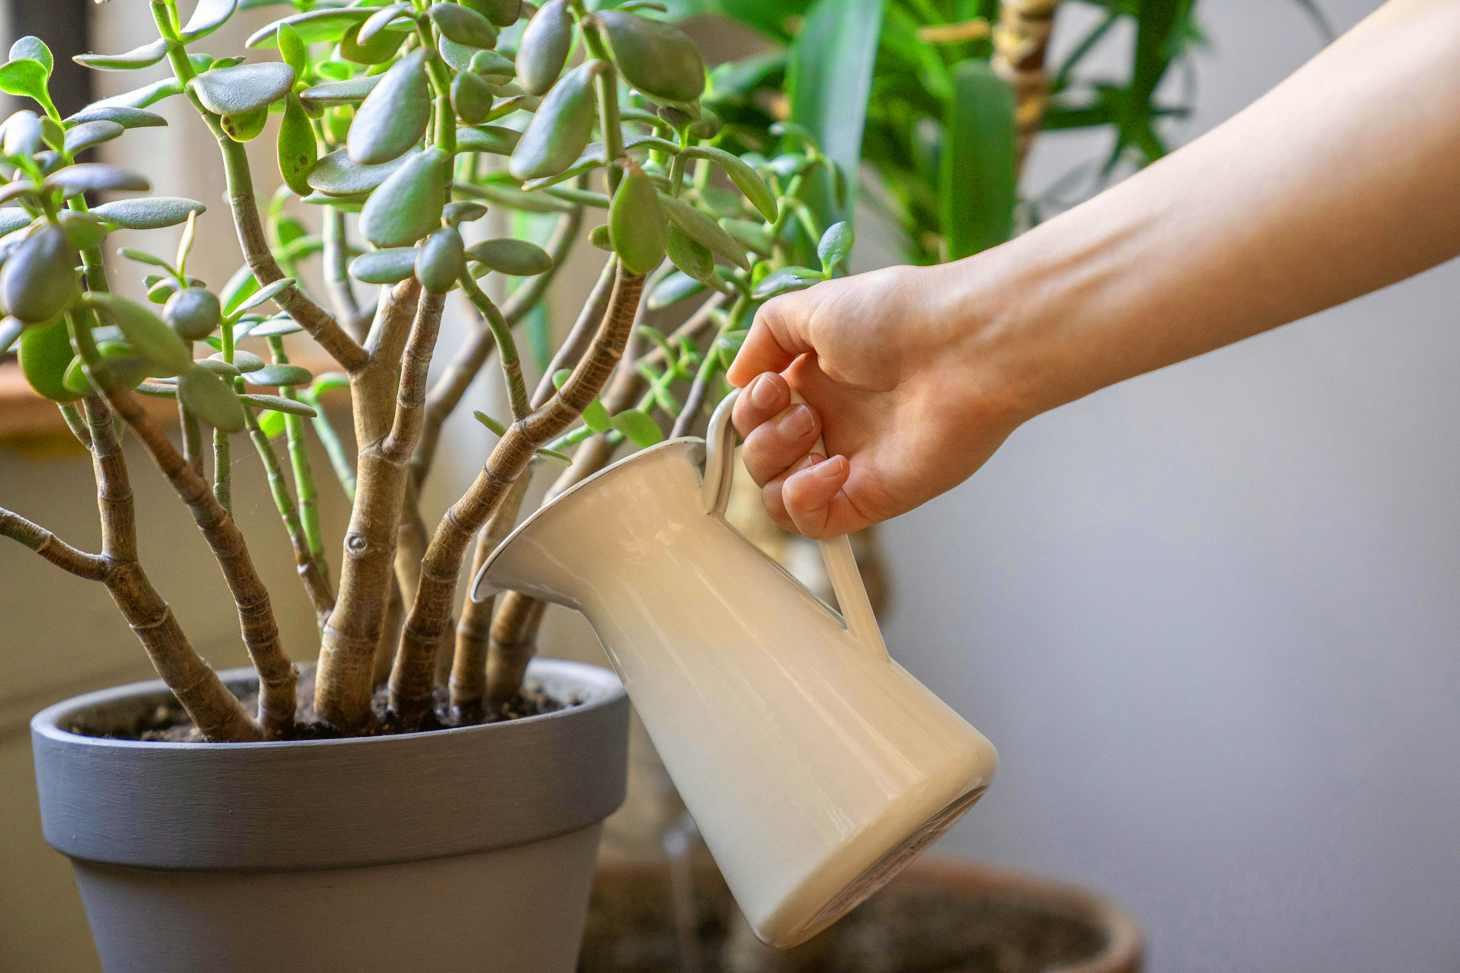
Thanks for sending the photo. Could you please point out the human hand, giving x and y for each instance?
(898, 378)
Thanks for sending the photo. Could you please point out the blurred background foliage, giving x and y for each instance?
(904, 92)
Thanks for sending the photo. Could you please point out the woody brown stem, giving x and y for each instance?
(336, 274)
(260, 630)
(580, 334)
(387, 432)
(468, 680)
(70, 559)
(429, 615)
(215, 711)
(1021, 41)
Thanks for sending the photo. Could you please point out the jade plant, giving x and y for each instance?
(398, 126)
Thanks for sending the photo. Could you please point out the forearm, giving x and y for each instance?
(1338, 182)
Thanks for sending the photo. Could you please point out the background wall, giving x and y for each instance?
(1209, 617)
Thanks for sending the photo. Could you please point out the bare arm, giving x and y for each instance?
(1338, 182)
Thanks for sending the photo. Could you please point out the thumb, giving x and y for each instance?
(777, 337)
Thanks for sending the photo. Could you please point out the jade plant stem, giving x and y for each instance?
(1021, 41)
(427, 620)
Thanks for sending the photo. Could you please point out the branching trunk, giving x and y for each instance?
(216, 712)
(1021, 41)
(277, 678)
(387, 435)
(429, 615)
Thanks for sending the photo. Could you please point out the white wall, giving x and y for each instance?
(1209, 617)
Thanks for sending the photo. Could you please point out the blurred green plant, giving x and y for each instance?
(907, 89)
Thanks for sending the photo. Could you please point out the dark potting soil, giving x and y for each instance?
(168, 722)
(910, 927)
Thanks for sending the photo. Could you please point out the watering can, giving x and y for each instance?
(814, 765)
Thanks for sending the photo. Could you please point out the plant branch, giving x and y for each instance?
(336, 274)
(1021, 41)
(260, 630)
(214, 710)
(92, 567)
(429, 615)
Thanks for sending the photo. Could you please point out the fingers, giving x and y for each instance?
(766, 396)
(777, 337)
(813, 499)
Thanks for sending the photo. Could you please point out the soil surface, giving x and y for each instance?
(168, 722)
(913, 926)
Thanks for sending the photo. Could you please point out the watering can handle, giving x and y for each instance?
(836, 553)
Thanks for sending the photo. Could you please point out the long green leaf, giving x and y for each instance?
(829, 75)
(978, 162)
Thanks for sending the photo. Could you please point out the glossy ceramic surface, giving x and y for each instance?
(815, 766)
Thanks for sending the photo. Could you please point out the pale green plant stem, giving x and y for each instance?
(507, 354)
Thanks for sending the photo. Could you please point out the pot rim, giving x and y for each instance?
(338, 803)
(605, 687)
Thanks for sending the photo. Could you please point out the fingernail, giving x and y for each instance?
(797, 423)
(765, 395)
(833, 469)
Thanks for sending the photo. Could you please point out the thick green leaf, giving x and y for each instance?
(32, 48)
(388, 266)
(10, 329)
(207, 17)
(494, 139)
(84, 230)
(272, 423)
(45, 353)
(259, 400)
(743, 176)
(978, 163)
(148, 212)
(691, 257)
(471, 97)
(675, 287)
(13, 218)
(441, 261)
(657, 58)
(704, 231)
(88, 135)
(638, 427)
(636, 225)
(280, 376)
(314, 27)
(503, 13)
(193, 313)
(297, 149)
(137, 98)
(95, 177)
(261, 296)
(560, 127)
(27, 78)
(211, 399)
(829, 77)
(337, 175)
(784, 280)
(380, 49)
(516, 258)
(135, 59)
(544, 48)
(125, 117)
(277, 326)
(835, 247)
(348, 92)
(38, 280)
(147, 333)
(463, 25)
(751, 234)
(407, 206)
(243, 89)
(395, 114)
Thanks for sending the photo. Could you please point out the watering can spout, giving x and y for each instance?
(814, 765)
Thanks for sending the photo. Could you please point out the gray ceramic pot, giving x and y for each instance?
(463, 849)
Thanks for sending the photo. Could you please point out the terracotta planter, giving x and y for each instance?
(453, 850)
(938, 916)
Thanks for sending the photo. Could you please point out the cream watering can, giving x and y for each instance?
(814, 765)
